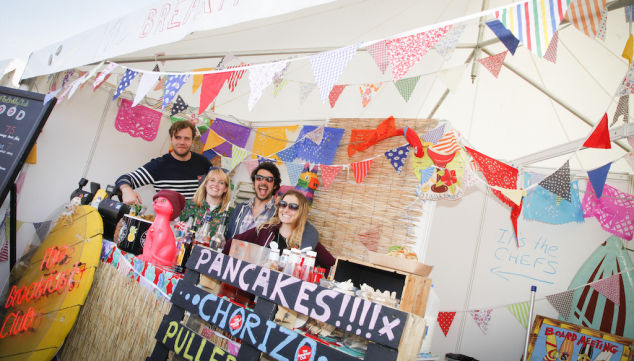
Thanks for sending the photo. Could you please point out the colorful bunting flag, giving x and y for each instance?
(159, 104)
(203, 135)
(235, 76)
(173, 85)
(213, 141)
(505, 35)
(270, 140)
(197, 79)
(139, 122)
(520, 312)
(328, 174)
(42, 228)
(494, 63)
(226, 162)
(51, 95)
(294, 170)
(603, 24)
(586, 15)
(600, 137)
(627, 85)
(561, 302)
(406, 86)
(614, 210)
(234, 134)
(551, 51)
(598, 177)
(447, 44)
(237, 155)
(482, 318)
(260, 77)
(287, 155)
(397, 157)
(316, 135)
(366, 91)
(448, 144)
(378, 52)
(161, 80)
(146, 83)
(361, 169)
(125, 82)
(434, 135)
(514, 195)
(179, 106)
(559, 182)
(265, 160)
(335, 93)
(328, 66)
(103, 75)
(453, 76)
(304, 90)
(445, 319)
(324, 153)
(94, 70)
(211, 85)
(406, 51)
(622, 109)
(278, 86)
(544, 206)
(609, 288)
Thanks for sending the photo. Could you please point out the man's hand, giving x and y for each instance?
(129, 196)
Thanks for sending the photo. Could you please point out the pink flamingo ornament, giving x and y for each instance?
(160, 245)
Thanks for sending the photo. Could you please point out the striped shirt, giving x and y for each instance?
(167, 172)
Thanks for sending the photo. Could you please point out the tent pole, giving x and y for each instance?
(478, 47)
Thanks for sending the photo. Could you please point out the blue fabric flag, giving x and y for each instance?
(294, 170)
(210, 154)
(323, 153)
(542, 205)
(173, 84)
(397, 157)
(505, 35)
(598, 177)
(125, 82)
(434, 135)
(287, 155)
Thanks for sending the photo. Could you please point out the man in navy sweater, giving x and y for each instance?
(177, 170)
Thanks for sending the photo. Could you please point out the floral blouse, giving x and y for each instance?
(198, 215)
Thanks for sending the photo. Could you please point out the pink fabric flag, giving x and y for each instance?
(335, 93)
(551, 51)
(494, 63)
(610, 288)
(445, 319)
(405, 52)
(367, 90)
(235, 76)
(328, 174)
(482, 318)
(614, 210)
(361, 169)
(139, 122)
(212, 83)
(378, 52)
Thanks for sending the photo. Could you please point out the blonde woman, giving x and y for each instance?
(289, 227)
(211, 199)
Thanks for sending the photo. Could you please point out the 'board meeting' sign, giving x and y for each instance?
(373, 321)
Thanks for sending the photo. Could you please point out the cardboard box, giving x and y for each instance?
(399, 263)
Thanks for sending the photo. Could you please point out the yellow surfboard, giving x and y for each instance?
(48, 288)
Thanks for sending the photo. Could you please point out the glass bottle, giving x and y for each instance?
(308, 266)
(218, 240)
(291, 261)
(286, 254)
(184, 251)
(202, 236)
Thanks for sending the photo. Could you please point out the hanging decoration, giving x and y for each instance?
(506, 36)
(328, 66)
(173, 85)
(103, 75)
(335, 93)
(235, 76)
(270, 140)
(139, 122)
(148, 79)
(520, 312)
(627, 85)
(559, 182)
(294, 170)
(179, 106)
(597, 178)
(328, 174)
(304, 90)
(406, 86)
(447, 44)
(406, 51)
(362, 139)
(287, 155)
(600, 137)
(378, 52)
(551, 51)
(366, 91)
(603, 24)
(562, 302)
(494, 63)
(397, 157)
(585, 15)
(445, 319)
(614, 211)
(361, 169)
(434, 135)
(482, 318)
(542, 205)
(324, 153)
(232, 134)
(316, 135)
(211, 85)
(609, 287)
(622, 109)
(237, 155)
(197, 79)
(125, 82)
(260, 77)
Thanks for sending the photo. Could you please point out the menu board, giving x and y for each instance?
(22, 116)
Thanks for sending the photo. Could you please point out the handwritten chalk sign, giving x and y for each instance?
(188, 344)
(370, 320)
(22, 116)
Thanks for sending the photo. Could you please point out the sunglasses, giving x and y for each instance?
(284, 204)
(261, 177)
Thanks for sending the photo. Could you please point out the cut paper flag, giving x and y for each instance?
(494, 63)
(609, 288)
(378, 52)
(520, 312)
(335, 93)
(328, 174)
(600, 137)
(124, 83)
(328, 66)
(304, 90)
(622, 109)
(451, 77)
(251, 164)
(260, 77)
(482, 318)
(397, 157)
(316, 135)
(362, 139)
(366, 91)
(598, 177)
(237, 155)
(535, 22)
(213, 140)
(197, 79)
(233, 134)
(514, 195)
(173, 85)
(551, 51)
(561, 302)
(544, 206)
(447, 44)
(434, 135)
(586, 15)
(614, 210)
(505, 35)
(179, 106)
(287, 155)
(559, 182)
(212, 83)
(103, 75)
(294, 170)
(361, 170)
(271, 140)
(145, 84)
(445, 319)
(139, 122)
(406, 51)
(406, 86)
(627, 85)
(324, 153)
(203, 136)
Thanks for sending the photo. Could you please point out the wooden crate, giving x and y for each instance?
(411, 289)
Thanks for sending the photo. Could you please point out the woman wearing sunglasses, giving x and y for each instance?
(289, 227)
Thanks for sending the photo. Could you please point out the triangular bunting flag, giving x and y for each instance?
(294, 170)
(103, 75)
(51, 95)
(125, 82)
(226, 162)
(406, 86)
(235, 77)
(212, 83)
(623, 108)
(627, 85)
(304, 90)
(561, 302)
(505, 35)
(514, 194)
(378, 52)
(586, 15)
(260, 77)
(494, 63)
(179, 106)
(237, 155)
(559, 182)
(145, 84)
(213, 140)
(551, 52)
(361, 169)
(445, 319)
(328, 174)
(446, 46)
(287, 155)
(41, 228)
(278, 86)
(628, 50)
(251, 164)
(316, 135)
(600, 137)
(434, 135)
(406, 51)
(397, 157)
(520, 312)
(482, 318)
(597, 178)
(603, 25)
(94, 70)
(335, 93)
(159, 104)
(367, 90)
(203, 136)
(161, 80)
(75, 85)
(328, 67)
(609, 288)
(173, 85)
(197, 79)
(453, 76)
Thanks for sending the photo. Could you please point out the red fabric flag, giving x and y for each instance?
(328, 174)
(361, 169)
(600, 137)
(445, 319)
(335, 93)
(212, 83)
(497, 174)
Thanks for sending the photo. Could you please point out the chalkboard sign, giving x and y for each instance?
(22, 116)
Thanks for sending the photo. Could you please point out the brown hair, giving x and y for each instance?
(295, 240)
(180, 125)
(201, 192)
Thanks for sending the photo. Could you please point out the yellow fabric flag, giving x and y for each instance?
(32, 157)
(270, 140)
(213, 140)
(198, 79)
(513, 194)
(628, 50)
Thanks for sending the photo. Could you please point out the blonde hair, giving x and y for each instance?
(295, 239)
(201, 192)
